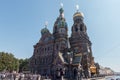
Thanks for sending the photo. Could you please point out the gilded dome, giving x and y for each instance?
(78, 14)
(44, 30)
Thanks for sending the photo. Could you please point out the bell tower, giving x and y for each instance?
(79, 40)
(60, 31)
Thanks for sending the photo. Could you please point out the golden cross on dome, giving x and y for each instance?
(61, 4)
(46, 24)
(77, 7)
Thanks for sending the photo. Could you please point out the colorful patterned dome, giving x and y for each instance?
(62, 23)
(44, 30)
(61, 10)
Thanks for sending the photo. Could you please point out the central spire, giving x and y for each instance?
(61, 9)
(60, 26)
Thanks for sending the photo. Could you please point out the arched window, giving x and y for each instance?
(57, 47)
(37, 50)
(81, 27)
(55, 29)
(45, 49)
(35, 61)
(48, 48)
(76, 28)
(42, 60)
(75, 72)
(76, 49)
(61, 30)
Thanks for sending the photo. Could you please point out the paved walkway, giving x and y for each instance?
(98, 78)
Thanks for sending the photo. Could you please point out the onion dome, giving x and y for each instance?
(78, 14)
(44, 31)
(61, 10)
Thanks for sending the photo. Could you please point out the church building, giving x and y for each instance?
(56, 51)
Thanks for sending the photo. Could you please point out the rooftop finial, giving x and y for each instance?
(46, 24)
(61, 9)
(77, 7)
(61, 4)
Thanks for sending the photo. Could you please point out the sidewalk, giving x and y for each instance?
(98, 78)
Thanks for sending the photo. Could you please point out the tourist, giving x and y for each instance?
(38, 77)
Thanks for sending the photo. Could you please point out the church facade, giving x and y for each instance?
(56, 51)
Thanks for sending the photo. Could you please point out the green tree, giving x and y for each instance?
(8, 62)
(23, 65)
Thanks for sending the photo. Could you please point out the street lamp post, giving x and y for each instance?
(79, 72)
(70, 53)
(70, 70)
(87, 66)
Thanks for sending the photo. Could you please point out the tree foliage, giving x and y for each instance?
(8, 62)
(23, 65)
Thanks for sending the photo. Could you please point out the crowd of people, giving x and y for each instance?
(19, 76)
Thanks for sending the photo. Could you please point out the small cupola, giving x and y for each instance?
(45, 30)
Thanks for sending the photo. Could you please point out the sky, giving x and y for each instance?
(22, 20)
